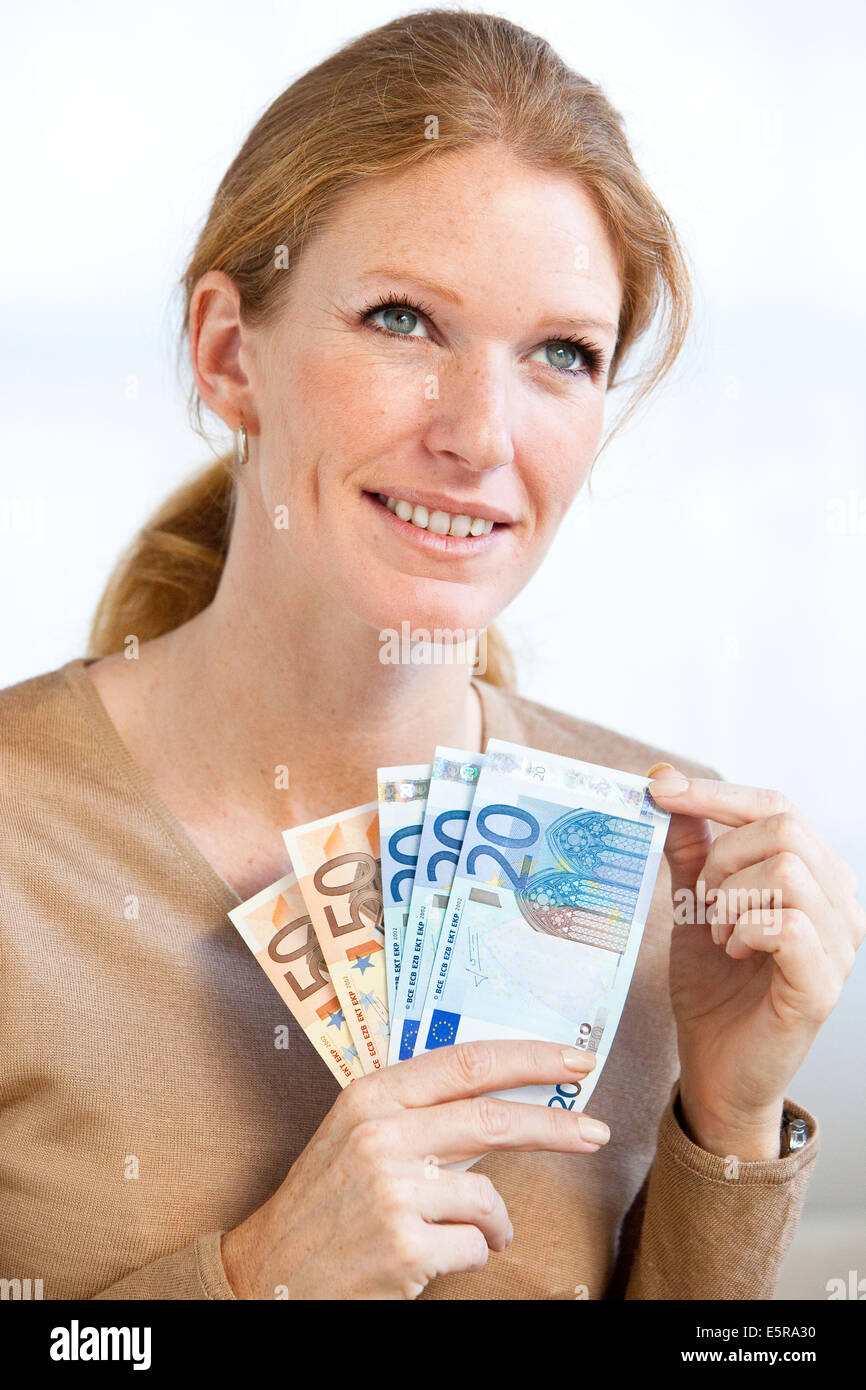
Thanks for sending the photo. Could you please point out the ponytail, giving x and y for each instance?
(172, 569)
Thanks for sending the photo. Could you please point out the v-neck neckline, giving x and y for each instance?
(196, 862)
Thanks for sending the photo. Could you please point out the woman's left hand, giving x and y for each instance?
(750, 988)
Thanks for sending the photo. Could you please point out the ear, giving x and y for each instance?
(219, 344)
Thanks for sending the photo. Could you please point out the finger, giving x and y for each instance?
(687, 842)
(472, 1068)
(806, 987)
(465, 1198)
(787, 831)
(722, 802)
(768, 887)
(418, 1251)
(456, 1248)
(461, 1129)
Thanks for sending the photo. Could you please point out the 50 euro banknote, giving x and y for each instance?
(336, 860)
(547, 909)
(276, 926)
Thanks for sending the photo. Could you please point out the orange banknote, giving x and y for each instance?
(276, 926)
(337, 863)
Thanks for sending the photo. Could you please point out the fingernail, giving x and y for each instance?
(668, 786)
(509, 1238)
(657, 767)
(575, 1060)
(594, 1131)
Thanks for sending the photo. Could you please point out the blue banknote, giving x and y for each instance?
(546, 910)
(402, 798)
(452, 787)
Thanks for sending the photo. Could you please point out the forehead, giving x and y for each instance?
(482, 222)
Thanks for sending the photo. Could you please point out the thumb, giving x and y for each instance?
(689, 837)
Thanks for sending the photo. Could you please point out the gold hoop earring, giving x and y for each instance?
(242, 448)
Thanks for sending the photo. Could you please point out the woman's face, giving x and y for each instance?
(423, 356)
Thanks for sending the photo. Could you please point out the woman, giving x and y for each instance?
(419, 278)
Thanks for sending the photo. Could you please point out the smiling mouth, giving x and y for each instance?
(435, 521)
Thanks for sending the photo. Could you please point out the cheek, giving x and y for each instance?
(329, 413)
(561, 460)
(351, 403)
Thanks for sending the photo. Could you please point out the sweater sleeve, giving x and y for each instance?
(706, 1227)
(194, 1272)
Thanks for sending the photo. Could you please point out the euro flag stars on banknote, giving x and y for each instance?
(453, 781)
(336, 860)
(546, 910)
(402, 798)
(276, 926)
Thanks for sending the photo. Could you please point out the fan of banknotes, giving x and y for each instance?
(495, 895)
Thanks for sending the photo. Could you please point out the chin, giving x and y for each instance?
(428, 617)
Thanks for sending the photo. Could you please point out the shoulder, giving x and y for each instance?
(67, 811)
(519, 720)
(49, 752)
(37, 717)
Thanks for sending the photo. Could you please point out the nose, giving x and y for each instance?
(469, 422)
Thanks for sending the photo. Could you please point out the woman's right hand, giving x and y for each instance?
(370, 1210)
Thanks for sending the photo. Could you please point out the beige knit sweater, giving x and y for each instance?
(144, 1108)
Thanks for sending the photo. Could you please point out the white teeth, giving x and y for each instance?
(440, 523)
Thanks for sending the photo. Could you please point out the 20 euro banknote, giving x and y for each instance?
(547, 909)
(402, 798)
(453, 780)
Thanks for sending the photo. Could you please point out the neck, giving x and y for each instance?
(286, 719)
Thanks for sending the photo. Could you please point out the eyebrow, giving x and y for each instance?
(604, 325)
(442, 290)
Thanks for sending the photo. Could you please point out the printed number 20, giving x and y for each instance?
(566, 1095)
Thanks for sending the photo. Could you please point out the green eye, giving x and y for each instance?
(400, 320)
(570, 356)
(561, 354)
(397, 317)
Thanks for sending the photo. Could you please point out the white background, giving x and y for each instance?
(709, 598)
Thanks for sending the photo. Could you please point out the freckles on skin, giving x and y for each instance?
(337, 406)
(351, 407)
